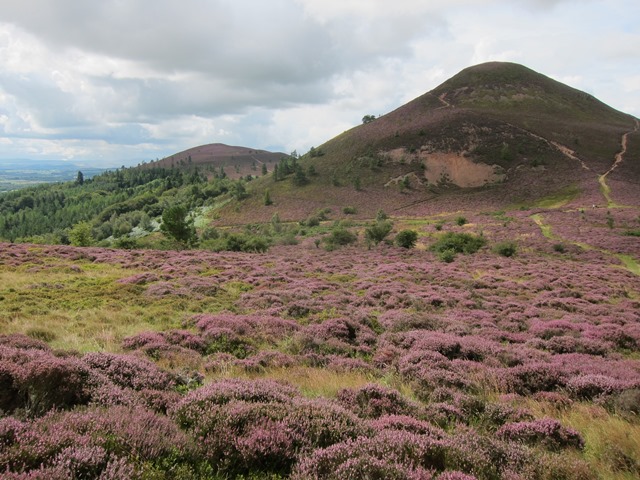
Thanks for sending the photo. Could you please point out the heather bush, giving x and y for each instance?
(588, 387)
(533, 377)
(373, 401)
(408, 424)
(399, 454)
(128, 371)
(87, 443)
(546, 432)
(37, 381)
(245, 426)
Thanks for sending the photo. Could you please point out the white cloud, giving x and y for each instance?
(117, 81)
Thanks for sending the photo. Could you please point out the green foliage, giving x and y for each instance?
(80, 178)
(559, 247)
(633, 233)
(238, 242)
(610, 221)
(447, 255)
(80, 235)
(267, 198)
(407, 238)
(177, 224)
(108, 201)
(349, 210)
(381, 215)
(340, 236)
(299, 177)
(506, 249)
(368, 119)
(460, 221)
(376, 233)
(127, 243)
(458, 243)
(238, 190)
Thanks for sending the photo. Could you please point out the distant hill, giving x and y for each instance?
(493, 136)
(235, 161)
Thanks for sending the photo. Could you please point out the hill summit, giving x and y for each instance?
(495, 134)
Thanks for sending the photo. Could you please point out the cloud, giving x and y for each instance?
(129, 80)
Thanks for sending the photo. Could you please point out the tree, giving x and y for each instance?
(368, 119)
(264, 169)
(377, 232)
(299, 177)
(79, 178)
(177, 224)
(267, 198)
(407, 238)
(80, 235)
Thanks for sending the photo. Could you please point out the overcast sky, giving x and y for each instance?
(113, 82)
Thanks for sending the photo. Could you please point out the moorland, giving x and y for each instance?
(450, 291)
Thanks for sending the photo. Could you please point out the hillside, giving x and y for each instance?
(235, 161)
(496, 135)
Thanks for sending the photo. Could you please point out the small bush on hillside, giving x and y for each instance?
(339, 237)
(407, 238)
(447, 255)
(559, 247)
(459, 243)
(506, 249)
(377, 232)
(461, 221)
(349, 210)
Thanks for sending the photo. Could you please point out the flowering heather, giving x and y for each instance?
(374, 401)
(128, 371)
(555, 328)
(547, 432)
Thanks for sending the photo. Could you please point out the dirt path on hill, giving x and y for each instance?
(618, 159)
(620, 155)
(445, 104)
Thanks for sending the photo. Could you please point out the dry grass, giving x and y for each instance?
(612, 442)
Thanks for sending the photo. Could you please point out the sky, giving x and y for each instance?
(117, 82)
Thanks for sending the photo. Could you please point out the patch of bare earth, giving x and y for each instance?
(453, 168)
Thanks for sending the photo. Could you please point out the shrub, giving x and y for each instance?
(546, 432)
(377, 232)
(373, 401)
(459, 243)
(37, 381)
(390, 454)
(461, 221)
(559, 247)
(128, 371)
(349, 210)
(340, 236)
(407, 238)
(506, 249)
(447, 256)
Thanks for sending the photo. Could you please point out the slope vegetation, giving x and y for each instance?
(495, 135)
